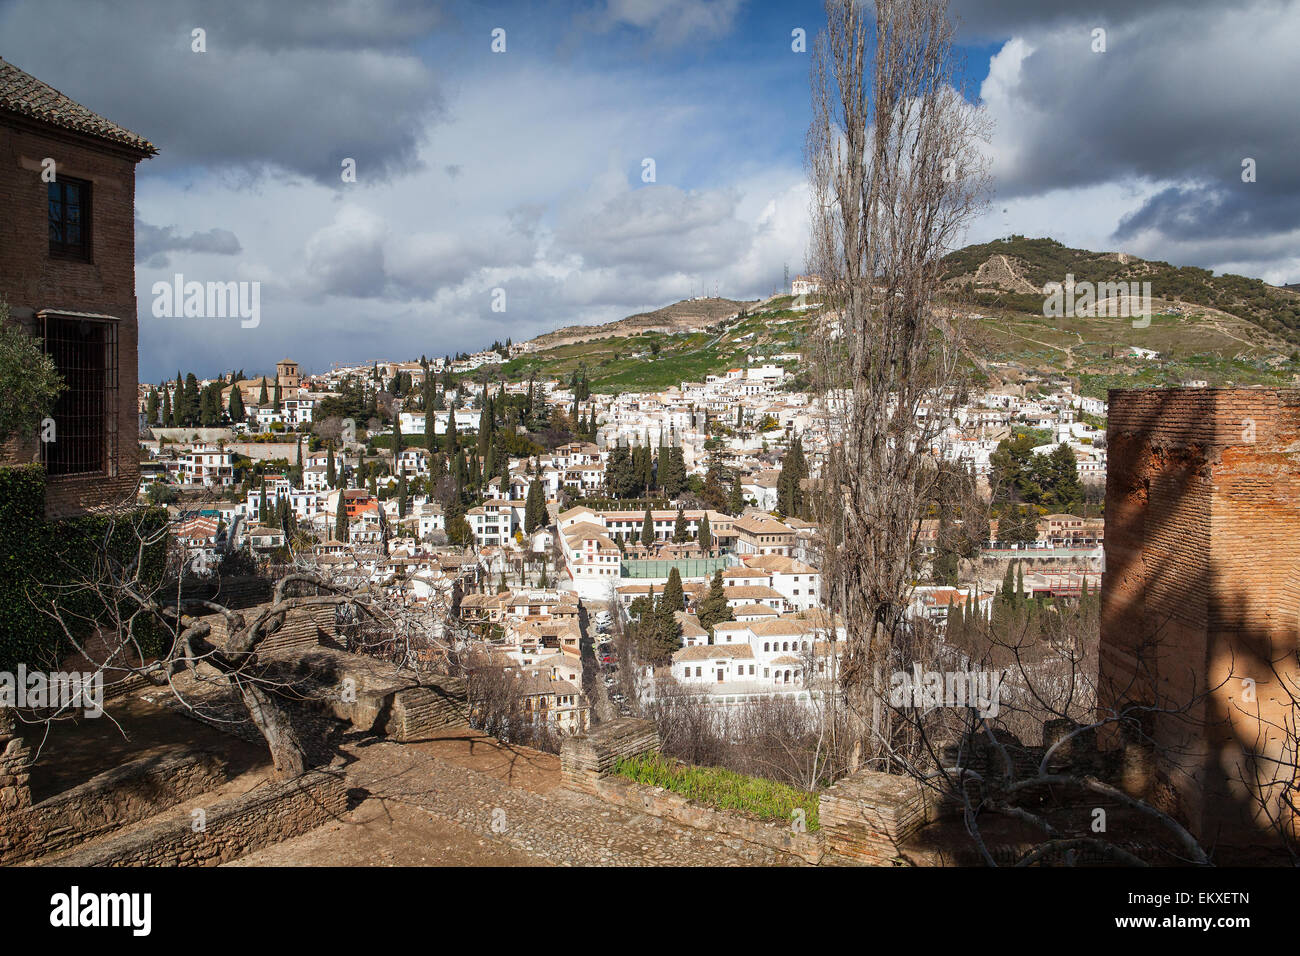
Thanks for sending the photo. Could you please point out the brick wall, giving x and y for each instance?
(585, 759)
(1202, 591)
(31, 280)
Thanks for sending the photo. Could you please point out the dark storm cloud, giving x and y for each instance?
(280, 87)
(153, 243)
(1197, 213)
(1180, 96)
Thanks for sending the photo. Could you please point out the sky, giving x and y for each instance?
(518, 179)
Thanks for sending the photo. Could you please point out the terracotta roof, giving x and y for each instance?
(750, 592)
(27, 96)
(705, 652)
(749, 610)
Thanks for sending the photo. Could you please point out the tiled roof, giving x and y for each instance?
(27, 96)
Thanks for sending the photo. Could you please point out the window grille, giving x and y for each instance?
(85, 413)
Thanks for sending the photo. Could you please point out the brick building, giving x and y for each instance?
(67, 270)
(1201, 597)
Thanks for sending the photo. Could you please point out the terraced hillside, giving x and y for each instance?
(1218, 329)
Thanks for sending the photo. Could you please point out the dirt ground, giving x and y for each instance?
(385, 832)
(527, 769)
(70, 752)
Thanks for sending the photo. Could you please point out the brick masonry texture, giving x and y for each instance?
(868, 816)
(33, 280)
(1202, 591)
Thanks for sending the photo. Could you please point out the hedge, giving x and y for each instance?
(36, 555)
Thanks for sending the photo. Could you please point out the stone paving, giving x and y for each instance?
(558, 828)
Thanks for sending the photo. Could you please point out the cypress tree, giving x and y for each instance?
(485, 425)
(648, 529)
(341, 519)
(714, 609)
(331, 470)
(397, 434)
(262, 398)
(680, 534)
(736, 501)
(237, 413)
(453, 440)
(534, 508)
(262, 505)
(674, 599)
(706, 535)
(1009, 584)
(401, 493)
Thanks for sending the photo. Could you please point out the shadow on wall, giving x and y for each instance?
(1201, 609)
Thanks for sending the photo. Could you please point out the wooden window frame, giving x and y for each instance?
(82, 251)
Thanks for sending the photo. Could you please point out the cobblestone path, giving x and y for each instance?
(559, 828)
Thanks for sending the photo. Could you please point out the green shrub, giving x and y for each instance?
(719, 788)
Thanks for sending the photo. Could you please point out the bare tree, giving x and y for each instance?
(144, 624)
(895, 173)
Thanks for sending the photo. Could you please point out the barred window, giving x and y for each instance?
(85, 352)
(69, 212)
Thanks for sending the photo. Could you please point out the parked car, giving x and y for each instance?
(607, 659)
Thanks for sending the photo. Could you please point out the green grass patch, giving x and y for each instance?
(721, 789)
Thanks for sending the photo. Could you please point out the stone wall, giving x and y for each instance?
(270, 814)
(126, 794)
(658, 802)
(867, 817)
(587, 765)
(586, 759)
(15, 767)
(1202, 592)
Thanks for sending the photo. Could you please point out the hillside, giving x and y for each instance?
(685, 316)
(1218, 329)
(1011, 274)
